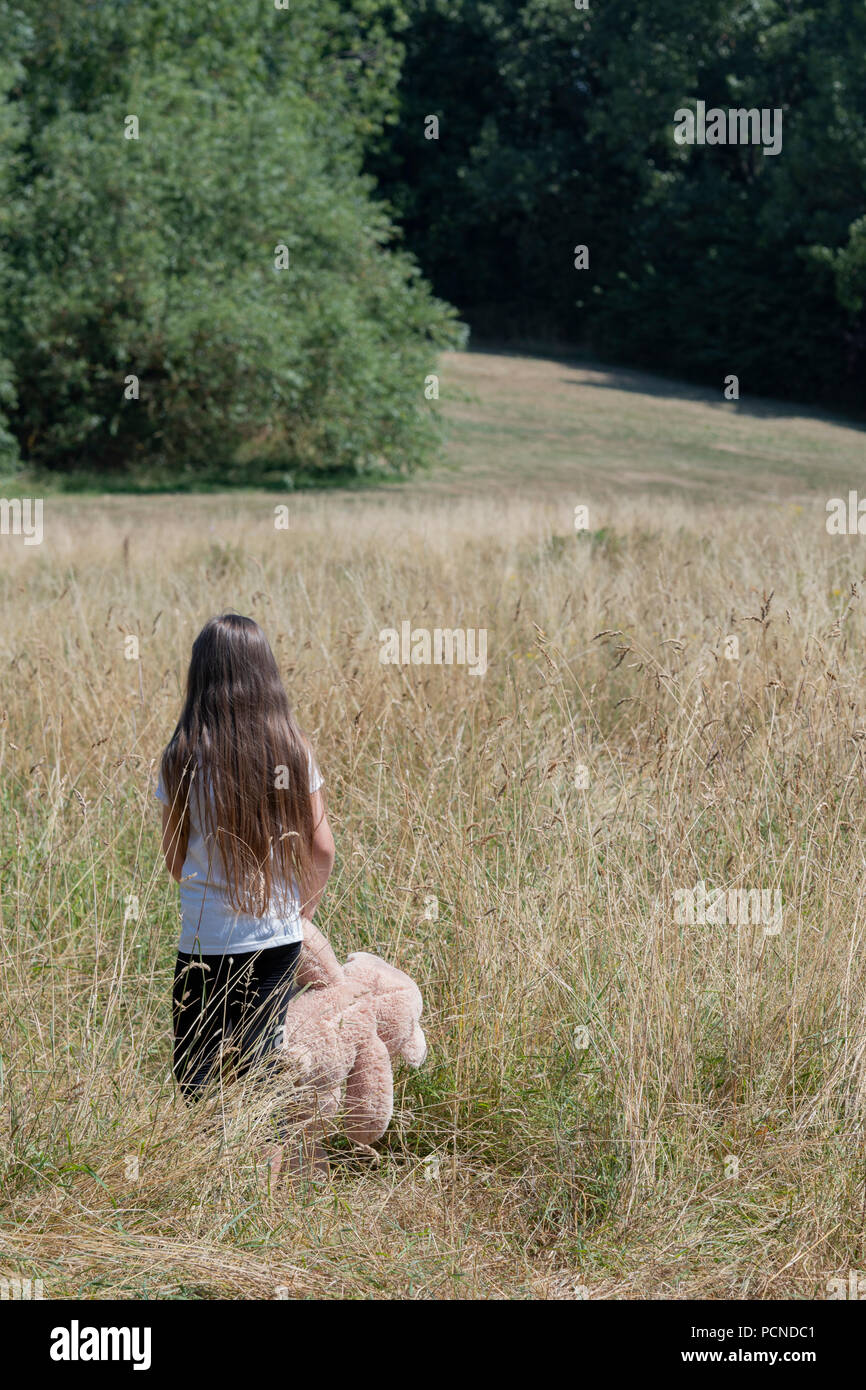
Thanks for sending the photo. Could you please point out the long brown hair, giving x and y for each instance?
(238, 748)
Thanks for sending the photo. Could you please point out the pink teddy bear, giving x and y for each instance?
(344, 1029)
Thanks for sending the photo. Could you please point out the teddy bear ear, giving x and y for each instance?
(361, 965)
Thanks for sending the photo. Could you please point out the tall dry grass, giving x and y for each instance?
(528, 907)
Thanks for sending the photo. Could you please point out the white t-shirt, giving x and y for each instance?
(209, 923)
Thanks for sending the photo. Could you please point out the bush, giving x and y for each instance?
(149, 321)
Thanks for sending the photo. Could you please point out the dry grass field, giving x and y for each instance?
(615, 1104)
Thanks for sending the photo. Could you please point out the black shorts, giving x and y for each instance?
(217, 998)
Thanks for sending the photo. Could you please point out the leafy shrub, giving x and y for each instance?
(156, 257)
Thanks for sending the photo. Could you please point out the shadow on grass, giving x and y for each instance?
(639, 381)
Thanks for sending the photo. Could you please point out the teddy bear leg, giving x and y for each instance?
(369, 1094)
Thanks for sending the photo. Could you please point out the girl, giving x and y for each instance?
(244, 832)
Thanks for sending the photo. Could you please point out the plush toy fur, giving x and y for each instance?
(345, 1028)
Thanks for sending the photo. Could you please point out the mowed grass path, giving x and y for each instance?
(539, 424)
(594, 1064)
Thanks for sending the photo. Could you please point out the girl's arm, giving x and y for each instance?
(174, 841)
(323, 855)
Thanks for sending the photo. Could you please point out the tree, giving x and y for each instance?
(556, 129)
(10, 145)
(199, 279)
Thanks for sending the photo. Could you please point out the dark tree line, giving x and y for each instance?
(556, 128)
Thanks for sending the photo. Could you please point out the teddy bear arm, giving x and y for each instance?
(317, 966)
(414, 1049)
(369, 1093)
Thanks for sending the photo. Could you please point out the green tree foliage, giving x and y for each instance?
(556, 129)
(157, 257)
(10, 146)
